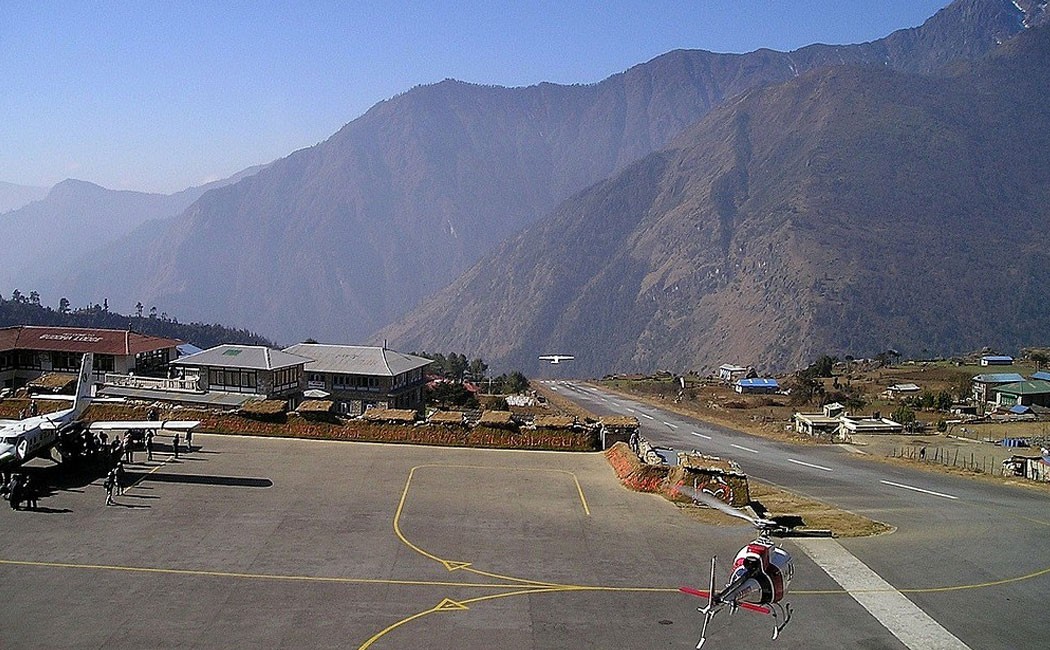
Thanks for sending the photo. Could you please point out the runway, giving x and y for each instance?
(974, 556)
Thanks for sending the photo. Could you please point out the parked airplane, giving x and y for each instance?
(23, 439)
(556, 358)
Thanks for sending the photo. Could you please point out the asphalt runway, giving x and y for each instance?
(973, 555)
(279, 543)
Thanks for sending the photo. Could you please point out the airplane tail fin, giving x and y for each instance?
(85, 382)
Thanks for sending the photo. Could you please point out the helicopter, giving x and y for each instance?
(761, 572)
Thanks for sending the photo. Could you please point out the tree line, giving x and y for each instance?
(23, 309)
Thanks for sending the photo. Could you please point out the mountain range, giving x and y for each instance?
(851, 210)
(338, 240)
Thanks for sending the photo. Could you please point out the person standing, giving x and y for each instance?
(29, 493)
(175, 444)
(129, 448)
(15, 491)
(189, 440)
(120, 477)
(149, 445)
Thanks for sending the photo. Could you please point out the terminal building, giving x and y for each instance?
(358, 377)
(28, 352)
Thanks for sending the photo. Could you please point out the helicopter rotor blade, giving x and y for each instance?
(711, 501)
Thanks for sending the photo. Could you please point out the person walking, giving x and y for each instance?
(129, 448)
(149, 445)
(189, 440)
(175, 444)
(109, 484)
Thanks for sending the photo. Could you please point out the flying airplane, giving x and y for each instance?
(556, 358)
(23, 439)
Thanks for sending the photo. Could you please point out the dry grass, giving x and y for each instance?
(816, 514)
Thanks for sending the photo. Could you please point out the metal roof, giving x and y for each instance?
(1037, 387)
(356, 359)
(1042, 374)
(999, 378)
(758, 382)
(81, 339)
(997, 357)
(249, 357)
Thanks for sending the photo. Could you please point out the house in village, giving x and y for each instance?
(238, 373)
(996, 360)
(1022, 393)
(983, 384)
(729, 372)
(756, 385)
(898, 391)
(833, 422)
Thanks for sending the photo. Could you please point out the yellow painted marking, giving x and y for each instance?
(465, 566)
(252, 576)
(448, 605)
(452, 566)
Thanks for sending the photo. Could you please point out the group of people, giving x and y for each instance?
(17, 488)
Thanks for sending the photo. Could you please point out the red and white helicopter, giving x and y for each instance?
(761, 572)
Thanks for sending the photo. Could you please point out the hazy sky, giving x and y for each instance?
(159, 96)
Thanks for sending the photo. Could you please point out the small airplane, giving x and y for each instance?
(761, 573)
(556, 358)
(21, 440)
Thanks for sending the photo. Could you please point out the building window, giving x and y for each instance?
(65, 361)
(286, 378)
(105, 363)
(233, 380)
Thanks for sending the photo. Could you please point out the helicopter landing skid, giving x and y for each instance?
(784, 612)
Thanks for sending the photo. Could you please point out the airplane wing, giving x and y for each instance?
(4, 423)
(124, 425)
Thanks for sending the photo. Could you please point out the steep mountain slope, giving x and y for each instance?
(337, 240)
(847, 211)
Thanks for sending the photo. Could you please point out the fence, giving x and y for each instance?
(951, 458)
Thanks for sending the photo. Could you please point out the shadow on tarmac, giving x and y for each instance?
(200, 479)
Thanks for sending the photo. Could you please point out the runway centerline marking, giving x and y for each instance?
(743, 448)
(918, 489)
(646, 415)
(805, 464)
(700, 435)
(673, 426)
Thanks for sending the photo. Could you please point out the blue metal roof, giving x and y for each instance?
(999, 377)
(1020, 409)
(997, 357)
(758, 382)
(1042, 374)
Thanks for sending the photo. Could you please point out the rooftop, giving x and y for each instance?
(248, 357)
(998, 378)
(81, 339)
(1037, 387)
(356, 359)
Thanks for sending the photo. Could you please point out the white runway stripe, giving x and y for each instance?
(912, 626)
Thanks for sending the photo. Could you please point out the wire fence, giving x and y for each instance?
(952, 457)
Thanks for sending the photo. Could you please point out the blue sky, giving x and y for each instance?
(158, 96)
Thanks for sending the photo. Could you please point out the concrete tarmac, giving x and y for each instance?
(282, 543)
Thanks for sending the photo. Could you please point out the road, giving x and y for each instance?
(974, 556)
